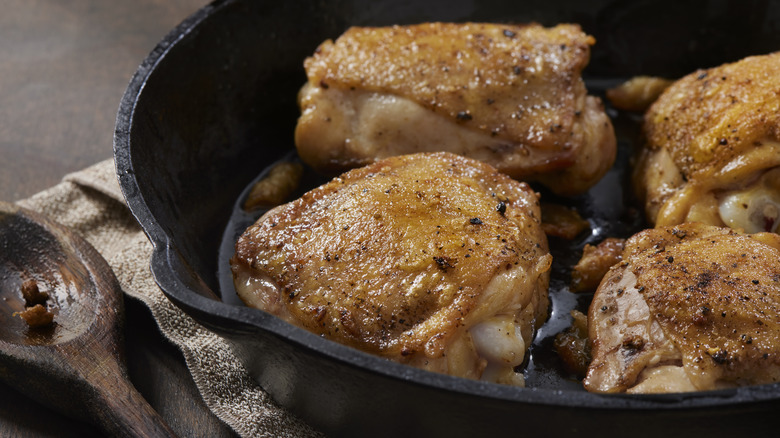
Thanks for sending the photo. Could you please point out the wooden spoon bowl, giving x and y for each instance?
(75, 363)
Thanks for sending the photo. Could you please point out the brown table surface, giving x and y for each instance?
(64, 66)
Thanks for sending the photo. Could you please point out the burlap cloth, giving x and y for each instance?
(91, 203)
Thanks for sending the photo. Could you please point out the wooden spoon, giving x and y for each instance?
(75, 363)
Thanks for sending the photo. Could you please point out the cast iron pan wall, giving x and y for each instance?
(214, 103)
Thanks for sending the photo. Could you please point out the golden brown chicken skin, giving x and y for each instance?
(434, 260)
(713, 148)
(509, 95)
(691, 307)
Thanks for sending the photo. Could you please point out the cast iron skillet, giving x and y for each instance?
(214, 104)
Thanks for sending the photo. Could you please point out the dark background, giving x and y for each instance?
(63, 68)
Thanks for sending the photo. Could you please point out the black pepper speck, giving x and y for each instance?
(463, 115)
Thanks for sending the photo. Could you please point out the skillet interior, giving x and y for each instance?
(214, 104)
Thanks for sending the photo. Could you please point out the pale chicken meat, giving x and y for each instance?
(712, 148)
(509, 95)
(430, 259)
(690, 307)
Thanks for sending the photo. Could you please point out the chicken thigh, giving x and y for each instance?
(430, 259)
(712, 150)
(690, 307)
(509, 95)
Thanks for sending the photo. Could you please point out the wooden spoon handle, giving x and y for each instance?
(122, 411)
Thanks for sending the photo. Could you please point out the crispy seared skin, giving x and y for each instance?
(711, 140)
(430, 259)
(691, 307)
(506, 94)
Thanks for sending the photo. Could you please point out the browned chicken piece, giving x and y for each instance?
(573, 346)
(36, 310)
(692, 307)
(37, 316)
(594, 264)
(430, 259)
(276, 187)
(638, 93)
(712, 150)
(561, 221)
(509, 95)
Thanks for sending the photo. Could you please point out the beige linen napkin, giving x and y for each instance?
(91, 203)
